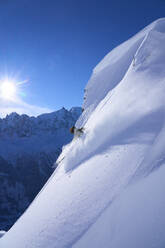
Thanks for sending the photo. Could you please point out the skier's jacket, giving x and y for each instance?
(77, 131)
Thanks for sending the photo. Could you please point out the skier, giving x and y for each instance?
(77, 131)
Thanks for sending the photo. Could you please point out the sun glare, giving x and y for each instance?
(7, 90)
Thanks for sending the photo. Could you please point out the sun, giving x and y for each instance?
(7, 90)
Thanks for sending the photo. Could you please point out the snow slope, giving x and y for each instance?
(123, 142)
(136, 219)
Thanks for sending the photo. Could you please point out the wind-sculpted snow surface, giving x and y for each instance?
(136, 219)
(140, 94)
(110, 71)
(123, 140)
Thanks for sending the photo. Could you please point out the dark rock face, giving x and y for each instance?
(29, 147)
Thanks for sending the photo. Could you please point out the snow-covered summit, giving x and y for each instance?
(111, 70)
(123, 141)
(25, 126)
(23, 133)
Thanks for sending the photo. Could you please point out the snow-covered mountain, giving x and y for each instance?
(28, 148)
(108, 189)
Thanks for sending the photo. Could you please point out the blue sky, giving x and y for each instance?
(56, 44)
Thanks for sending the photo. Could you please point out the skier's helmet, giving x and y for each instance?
(72, 129)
